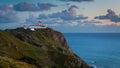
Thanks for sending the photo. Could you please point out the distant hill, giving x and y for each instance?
(42, 48)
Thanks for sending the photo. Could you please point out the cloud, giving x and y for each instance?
(67, 17)
(78, 0)
(69, 14)
(73, 23)
(111, 15)
(26, 6)
(7, 14)
(45, 6)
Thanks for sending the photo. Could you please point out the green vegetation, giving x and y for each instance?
(43, 48)
(6, 62)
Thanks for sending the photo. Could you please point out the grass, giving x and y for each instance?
(41, 48)
(6, 62)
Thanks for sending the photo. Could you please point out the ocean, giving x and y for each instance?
(101, 50)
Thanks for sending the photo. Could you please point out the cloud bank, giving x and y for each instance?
(69, 14)
(45, 6)
(26, 6)
(111, 15)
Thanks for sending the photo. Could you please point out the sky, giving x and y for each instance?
(67, 16)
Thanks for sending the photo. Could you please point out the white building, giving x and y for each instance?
(35, 26)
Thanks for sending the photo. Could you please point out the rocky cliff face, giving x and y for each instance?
(42, 48)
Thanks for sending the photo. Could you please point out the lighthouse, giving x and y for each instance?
(32, 27)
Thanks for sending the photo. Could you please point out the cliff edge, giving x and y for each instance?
(42, 48)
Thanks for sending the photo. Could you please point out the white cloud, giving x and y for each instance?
(73, 23)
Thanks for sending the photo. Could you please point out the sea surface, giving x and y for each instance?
(101, 50)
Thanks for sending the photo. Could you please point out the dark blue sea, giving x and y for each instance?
(101, 50)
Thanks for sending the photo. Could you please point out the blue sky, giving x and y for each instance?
(84, 16)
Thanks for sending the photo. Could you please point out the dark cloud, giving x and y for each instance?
(45, 6)
(78, 0)
(69, 14)
(7, 14)
(111, 15)
(26, 6)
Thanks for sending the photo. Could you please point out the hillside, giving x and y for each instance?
(42, 48)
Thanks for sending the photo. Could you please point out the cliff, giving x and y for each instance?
(42, 48)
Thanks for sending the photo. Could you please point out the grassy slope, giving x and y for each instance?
(6, 62)
(38, 49)
(14, 48)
